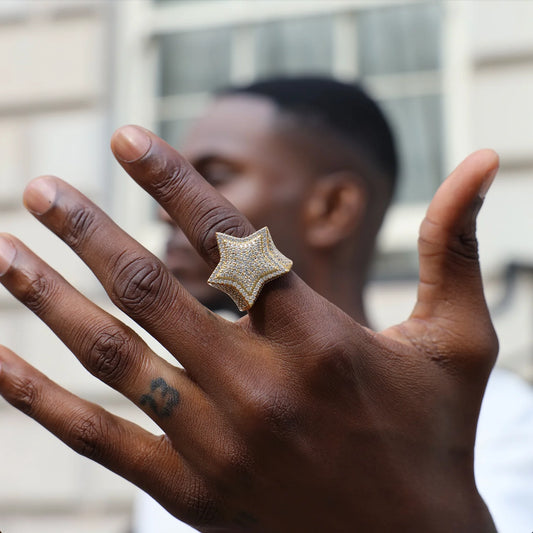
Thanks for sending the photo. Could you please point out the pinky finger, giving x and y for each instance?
(147, 460)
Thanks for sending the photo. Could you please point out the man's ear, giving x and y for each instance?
(335, 209)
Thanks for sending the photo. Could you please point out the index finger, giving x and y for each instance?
(197, 207)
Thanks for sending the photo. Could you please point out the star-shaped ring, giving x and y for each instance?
(246, 265)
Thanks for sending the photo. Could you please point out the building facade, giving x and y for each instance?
(452, 76)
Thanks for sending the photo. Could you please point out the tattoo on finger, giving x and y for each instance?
(162, 398)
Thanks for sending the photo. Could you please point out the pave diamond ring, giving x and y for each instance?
(246, 265)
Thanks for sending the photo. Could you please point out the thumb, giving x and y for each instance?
(450, 288)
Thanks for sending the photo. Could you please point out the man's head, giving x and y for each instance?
(311, 158)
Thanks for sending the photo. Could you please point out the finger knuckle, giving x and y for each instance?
(335, 368)
(112, 354)
(78, 227)
(461, 246)
(196, 505)
(23, 395)
(200, 508)
(140, 284)
(210, 216)
(232, 467)
(325, 353)
(492, 347)
(89, 434)
(223, 220)
(274, 410)
(484, 344)
(37, 292)
(468, 247)
(167, 188)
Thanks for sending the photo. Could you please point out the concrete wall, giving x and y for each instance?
(56, 97)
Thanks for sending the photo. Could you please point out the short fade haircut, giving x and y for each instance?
(345, 108)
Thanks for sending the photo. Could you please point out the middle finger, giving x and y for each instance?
(202, 212)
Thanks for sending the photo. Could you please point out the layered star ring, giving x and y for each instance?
(246, 265)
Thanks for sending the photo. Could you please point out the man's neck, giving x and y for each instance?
(343, 287)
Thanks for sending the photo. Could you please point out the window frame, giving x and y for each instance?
(141, 22)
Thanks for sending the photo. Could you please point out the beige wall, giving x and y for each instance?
(500, 44)
(54, 95)
(56, 100)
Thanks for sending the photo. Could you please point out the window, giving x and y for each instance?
(396, 54)
(393, 47)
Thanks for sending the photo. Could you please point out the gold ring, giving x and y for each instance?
(246, 265)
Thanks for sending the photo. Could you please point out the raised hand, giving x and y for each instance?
(295, 418)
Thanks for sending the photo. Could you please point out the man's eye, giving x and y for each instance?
(218, 174)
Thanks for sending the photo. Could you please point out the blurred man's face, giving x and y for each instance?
(236, 147)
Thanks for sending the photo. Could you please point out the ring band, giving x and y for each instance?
(246, 265)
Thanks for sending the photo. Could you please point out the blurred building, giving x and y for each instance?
(452, 76)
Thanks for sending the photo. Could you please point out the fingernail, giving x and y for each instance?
(7, 254)
(487, 182)
(130, 143)
(40, 195)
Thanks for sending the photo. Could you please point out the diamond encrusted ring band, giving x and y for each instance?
(246, 265)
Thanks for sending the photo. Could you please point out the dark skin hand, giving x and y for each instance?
(293, 419)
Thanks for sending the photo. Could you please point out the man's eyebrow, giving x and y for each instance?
(205, 159)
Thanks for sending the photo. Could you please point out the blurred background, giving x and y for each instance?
(452, 77)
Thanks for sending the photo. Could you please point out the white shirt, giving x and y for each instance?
(503, 462)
